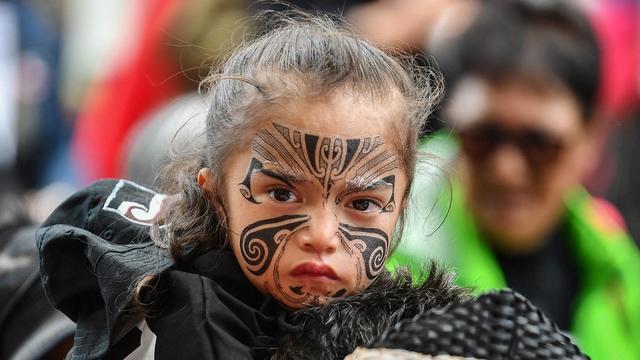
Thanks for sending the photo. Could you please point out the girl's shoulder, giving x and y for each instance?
(92, 248)
(96, 247)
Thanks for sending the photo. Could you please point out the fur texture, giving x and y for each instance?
(334, 330)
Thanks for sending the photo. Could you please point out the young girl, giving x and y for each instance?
(293, 202)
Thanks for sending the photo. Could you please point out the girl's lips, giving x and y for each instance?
(314, 270)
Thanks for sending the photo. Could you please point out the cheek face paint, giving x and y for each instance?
(372, 245)
(260, 241)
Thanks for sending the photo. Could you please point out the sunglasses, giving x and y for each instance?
(539, 147)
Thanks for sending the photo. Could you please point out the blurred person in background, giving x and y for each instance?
(33, 129)
(174, 45)
(32, 135)
(523, 82)
(165, 58)
(619, 27)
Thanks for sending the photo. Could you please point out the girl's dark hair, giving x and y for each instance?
(301, 56)
(551, 40)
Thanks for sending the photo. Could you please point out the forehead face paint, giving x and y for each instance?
(341, 168)
(328, 159)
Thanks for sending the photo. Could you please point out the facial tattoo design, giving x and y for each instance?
(360, 162)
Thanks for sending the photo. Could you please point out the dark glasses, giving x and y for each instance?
(480, 141)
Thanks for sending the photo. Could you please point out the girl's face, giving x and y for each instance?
(313, 200)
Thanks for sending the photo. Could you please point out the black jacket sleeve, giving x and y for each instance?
(93, 248)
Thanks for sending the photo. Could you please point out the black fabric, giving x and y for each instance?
(94, 249)
(25, 312)
(87, 270)
(497, 325)
(30, 328)
(214, 312)
(126, 345)
(334, 330)
(20, 269)
(549, 277)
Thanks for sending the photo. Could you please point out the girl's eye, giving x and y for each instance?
(283, 195)
(364, 205)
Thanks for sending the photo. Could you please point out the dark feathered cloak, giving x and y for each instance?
(334, 330)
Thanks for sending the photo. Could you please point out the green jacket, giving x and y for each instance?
(606, 321)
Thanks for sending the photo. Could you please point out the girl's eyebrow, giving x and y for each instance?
(282, 175)
(358, 184)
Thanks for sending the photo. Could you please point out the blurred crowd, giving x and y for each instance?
(531, 182)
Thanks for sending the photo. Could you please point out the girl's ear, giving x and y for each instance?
(206, 180)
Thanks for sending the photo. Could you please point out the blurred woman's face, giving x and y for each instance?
(524, 148)
(313, 200)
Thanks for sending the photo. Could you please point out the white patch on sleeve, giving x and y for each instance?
(134, 211)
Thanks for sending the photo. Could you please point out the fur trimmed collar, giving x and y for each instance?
(334, 330)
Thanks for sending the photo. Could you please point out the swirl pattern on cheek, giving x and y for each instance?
(260, 241)
(372, 244)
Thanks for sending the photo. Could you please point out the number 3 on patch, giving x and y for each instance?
(134, 202)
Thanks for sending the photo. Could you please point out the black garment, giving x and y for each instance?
(96, 246)
(214, 312)
(30, 328)
(500, 324)
(335, 329)
(549, 277)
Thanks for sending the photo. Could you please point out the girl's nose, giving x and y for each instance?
(321, 237)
